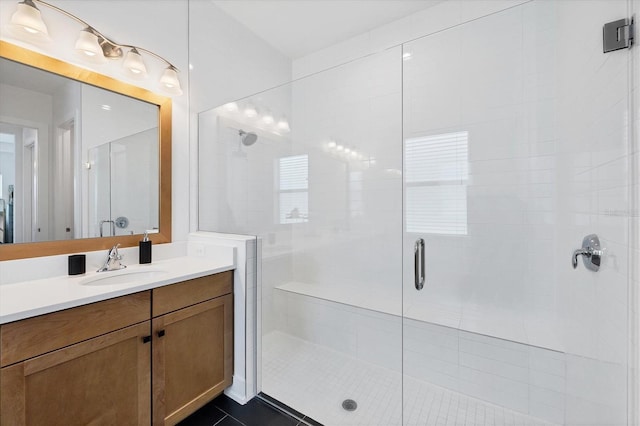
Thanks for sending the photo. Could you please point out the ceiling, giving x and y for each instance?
(299, 27)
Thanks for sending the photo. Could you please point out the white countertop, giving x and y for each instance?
(31, 298)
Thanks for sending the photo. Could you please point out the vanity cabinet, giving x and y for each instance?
(193, 345)
(101, 381)
(90, 364)
(152, 357)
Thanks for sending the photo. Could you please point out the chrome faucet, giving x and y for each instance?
(113, 260)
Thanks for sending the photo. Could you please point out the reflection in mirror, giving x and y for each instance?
(73, 157)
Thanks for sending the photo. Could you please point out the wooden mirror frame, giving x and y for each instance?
(55, 66)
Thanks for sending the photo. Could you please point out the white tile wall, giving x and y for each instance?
(246, 249)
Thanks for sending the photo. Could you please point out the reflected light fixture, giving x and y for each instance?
(267, 118)
(283, 125)
(92, 44)
(250, 110)
(231, 107)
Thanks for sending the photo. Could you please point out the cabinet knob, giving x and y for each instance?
(146, 339)
(160, 333)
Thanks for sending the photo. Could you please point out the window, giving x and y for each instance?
(436, 168)
(293, 189)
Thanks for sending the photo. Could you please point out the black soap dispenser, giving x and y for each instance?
(145, 249)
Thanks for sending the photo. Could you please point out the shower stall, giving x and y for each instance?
(417, 211)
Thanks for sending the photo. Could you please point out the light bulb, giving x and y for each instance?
(331, 144)
(88, 45)
(134, 64)
(169, 81)
(28, 18)
(347, 150)
(250, 110)
(283, 125)
(339, 147)
(267, 118)
(230, 107)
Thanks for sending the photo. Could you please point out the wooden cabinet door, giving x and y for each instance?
(192, 358)
(101, 381)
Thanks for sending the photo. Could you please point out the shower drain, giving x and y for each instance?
(349, 405)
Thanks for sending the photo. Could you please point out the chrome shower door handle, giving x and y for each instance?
(418, 264)
(591, 252)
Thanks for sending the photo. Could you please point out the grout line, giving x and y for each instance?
(229, 415)
(219, 421)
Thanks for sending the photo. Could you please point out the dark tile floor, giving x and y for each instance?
(224, 411)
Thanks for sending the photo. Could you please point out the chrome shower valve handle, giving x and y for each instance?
(591, 252)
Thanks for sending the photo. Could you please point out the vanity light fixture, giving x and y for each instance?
(28, 18)
(88, 43)
(133, 62)
(267, 118)
(169, 81)
(92, 44)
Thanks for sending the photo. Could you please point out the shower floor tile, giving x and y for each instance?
(315, 380)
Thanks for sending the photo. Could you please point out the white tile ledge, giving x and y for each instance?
(497, 324)
(27, 299)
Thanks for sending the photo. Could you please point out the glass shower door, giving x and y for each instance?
(323, 194)
(516, 147)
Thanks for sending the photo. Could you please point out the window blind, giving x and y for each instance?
(293, 178)
(436, 172)
(294, 172)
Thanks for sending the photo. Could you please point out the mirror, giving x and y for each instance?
(85, 160)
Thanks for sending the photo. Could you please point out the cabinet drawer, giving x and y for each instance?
(177, 296)
(30, 337)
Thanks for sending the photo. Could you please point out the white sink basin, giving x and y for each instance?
(124, 277)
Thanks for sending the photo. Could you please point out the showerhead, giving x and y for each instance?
(247, 138)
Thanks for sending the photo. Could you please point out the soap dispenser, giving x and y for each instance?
(145, 249)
